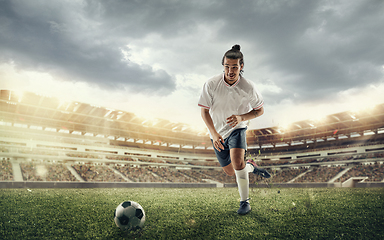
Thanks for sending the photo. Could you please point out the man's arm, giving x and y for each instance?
(236, 119)
(216, 137)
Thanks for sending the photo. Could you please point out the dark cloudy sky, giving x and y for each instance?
(308, 58)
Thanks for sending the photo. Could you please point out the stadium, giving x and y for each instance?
(48, 143)
(46, 140)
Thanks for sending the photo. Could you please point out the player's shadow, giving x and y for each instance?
(254, 215)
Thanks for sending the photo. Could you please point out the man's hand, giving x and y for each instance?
(234, 120)
(218, 141)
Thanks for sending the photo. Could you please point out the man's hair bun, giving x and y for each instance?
(236, 47)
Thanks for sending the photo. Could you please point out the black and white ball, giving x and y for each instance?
(129, 215)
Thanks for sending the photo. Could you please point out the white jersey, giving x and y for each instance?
(224, 100)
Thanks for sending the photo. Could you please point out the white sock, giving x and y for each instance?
(242, 180)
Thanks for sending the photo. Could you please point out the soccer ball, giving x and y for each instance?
(129, 215)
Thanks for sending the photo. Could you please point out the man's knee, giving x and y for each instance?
(237, 156)
(229, 170)
(239, 165)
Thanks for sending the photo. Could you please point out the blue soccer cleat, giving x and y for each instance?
(245, 207)
(259, 171)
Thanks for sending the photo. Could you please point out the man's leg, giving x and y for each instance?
(242, 178)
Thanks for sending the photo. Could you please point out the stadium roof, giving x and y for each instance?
(335, 126)
(49, 112)
(75, 117)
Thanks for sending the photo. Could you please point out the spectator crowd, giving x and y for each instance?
(140, 170)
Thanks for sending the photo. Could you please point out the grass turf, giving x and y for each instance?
(326, 213)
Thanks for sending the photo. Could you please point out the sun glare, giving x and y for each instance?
(19, 94)
(283, 128)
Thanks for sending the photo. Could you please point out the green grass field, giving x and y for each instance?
(208, 213)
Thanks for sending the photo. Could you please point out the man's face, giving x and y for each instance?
(232, 69)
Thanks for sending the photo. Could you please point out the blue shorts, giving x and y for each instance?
(237, 139)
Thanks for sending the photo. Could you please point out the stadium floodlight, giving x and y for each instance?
(298, 125)
(109, 112)
(36, 127)
(63, 131)
(77, 106)
(148, 122)
(50, 129)
(368, 133)
(283, 128)
(354, 118)
(95, 106)
(120, 115)
(312, 126)
(5, 123)
(355, 134)
(154, 122)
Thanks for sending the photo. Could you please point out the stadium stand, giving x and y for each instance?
(374, 172)
(287, 175)
(43, 139)
(6, 170)
(139, 174)
(96, 173)
(320, 174)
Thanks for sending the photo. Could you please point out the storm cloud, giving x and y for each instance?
(296, 51)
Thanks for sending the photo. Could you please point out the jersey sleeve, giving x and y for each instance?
(205, 100)
(256, 100)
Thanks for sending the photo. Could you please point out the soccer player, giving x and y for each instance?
(227, 102)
